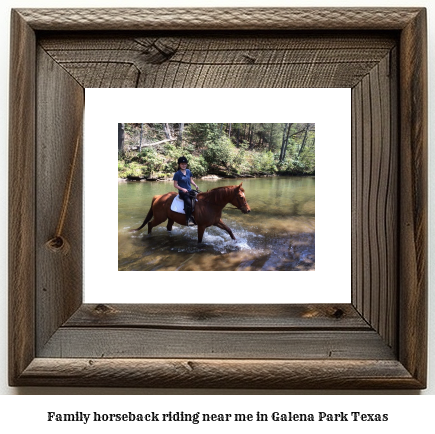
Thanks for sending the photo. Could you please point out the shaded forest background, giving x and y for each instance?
(150, 151)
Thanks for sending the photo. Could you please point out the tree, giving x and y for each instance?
(304, 141)
(121, 134)
(285, 137)
(167, 131)
(199, 134)
(140, 138)
(235, 148)
(180, 134)
(271, 137)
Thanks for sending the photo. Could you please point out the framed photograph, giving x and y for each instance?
(289, 225)
(375, 341)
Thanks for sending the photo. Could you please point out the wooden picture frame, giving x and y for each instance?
(376, 342)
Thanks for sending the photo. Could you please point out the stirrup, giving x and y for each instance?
(190, 221)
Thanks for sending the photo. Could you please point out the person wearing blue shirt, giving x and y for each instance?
(182, 182)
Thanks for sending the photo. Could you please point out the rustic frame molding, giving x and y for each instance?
(377, 341)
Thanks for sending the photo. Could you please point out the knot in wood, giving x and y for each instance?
(103, 309)
(58, 244)
(338, 313)
(249, 58)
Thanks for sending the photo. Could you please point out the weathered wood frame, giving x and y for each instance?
(377, 341)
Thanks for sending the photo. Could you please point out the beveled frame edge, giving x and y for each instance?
(409, 371)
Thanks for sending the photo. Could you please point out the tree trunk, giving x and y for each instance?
(281, 158)
(180, 134)
(140, 138)
(285, 137)
(121, 137)
(158, 143)
(167, 131)
(286, 140)
(261, 138)
(304, 140)
(270, 137)
(251, 135)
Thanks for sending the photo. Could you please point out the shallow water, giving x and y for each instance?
(278, 234)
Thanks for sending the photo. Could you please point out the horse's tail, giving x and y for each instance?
(147, 218)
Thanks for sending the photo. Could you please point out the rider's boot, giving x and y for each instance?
(189, 218)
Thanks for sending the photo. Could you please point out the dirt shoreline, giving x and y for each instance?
(205, 177)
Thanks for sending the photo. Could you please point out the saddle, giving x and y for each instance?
(193, 194)
(178, 203)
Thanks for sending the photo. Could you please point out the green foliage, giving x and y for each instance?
(172, 153)
(218, 152)
(243, 149)
(261, 162)
(132, 169)
(238, 161)
(296, 167)
(223, 153)
(197, 165)
(200, 134)
(151, 160)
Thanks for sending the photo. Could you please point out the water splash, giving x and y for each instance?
(255, 248)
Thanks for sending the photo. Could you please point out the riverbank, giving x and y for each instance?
(227, 151)
(206, 177)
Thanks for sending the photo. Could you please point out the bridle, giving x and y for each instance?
(243, 202)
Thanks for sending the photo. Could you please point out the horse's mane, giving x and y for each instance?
(219, 193)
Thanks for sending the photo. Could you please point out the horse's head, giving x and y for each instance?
(239, 200)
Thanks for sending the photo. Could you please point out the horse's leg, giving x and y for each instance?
(159, 218)
(169, 225)
(201, 230)
(223, 226)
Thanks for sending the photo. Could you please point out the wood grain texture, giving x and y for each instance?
(220, 18)
(236, 60)
(270, 317)
(58, 276)
(375, 198)
(413, 188)
(378, 342)
(229, 374)
(302, 345)
(22, 124)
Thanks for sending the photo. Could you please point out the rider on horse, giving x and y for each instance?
(182, 180)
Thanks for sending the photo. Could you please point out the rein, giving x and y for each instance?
(215, 204)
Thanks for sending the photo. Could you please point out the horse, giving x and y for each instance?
(208, 209)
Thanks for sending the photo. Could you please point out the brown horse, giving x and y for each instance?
(208, 209)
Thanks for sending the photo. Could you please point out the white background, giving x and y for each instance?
(327, 108)
(411, 413)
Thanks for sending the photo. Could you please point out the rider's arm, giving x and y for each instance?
(193, 182)
(179, 188)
